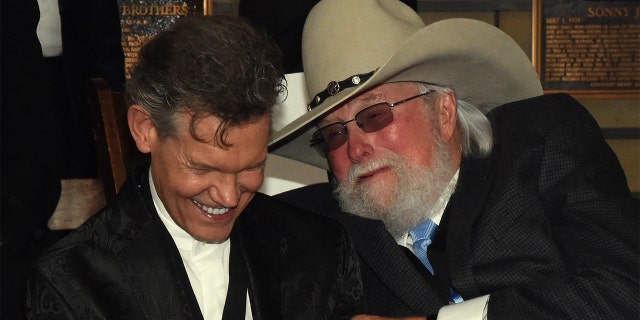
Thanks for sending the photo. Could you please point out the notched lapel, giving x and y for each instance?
(463, 210)
(379, 250)
(152, 264)
(261, 252)
(157, 276)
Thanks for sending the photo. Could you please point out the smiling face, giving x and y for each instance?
(203, 186)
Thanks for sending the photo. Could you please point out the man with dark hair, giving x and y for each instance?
(522, 213)
(188, 236)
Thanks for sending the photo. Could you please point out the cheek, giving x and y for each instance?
(173, 179)
(251, 181)
(412, 137)
(417, 148)
(339, 163)
(188, 186)
(184, 183)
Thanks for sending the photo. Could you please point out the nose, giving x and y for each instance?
(225, 191)
(359, 145)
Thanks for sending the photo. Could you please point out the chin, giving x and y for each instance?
(381, 192)
(213, 239)
(211, 236)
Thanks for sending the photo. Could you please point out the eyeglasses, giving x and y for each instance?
(369, 119)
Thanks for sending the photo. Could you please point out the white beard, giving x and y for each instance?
(409, 203)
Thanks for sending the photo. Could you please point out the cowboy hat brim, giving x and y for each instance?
(483, 65)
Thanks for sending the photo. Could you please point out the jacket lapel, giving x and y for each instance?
(261, 252)
(152, 264)
(379, 250)
(464, 208)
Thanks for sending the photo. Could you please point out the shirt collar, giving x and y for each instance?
(437, 210)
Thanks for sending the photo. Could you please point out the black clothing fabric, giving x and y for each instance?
(123, 264)
(546, 225)
(30, 158)
(91, 44)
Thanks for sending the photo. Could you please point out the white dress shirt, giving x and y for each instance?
(207, 264)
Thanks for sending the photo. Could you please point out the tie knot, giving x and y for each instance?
(424, 231)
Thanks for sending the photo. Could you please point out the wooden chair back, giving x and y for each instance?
(116, 149)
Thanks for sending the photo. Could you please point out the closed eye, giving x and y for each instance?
(201, 171)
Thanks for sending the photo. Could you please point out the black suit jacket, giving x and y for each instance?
(123, 264)
(545, 225)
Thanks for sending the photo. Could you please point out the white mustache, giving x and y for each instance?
(357, 170)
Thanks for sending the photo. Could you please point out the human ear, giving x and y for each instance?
(142, 128)
(447, 116)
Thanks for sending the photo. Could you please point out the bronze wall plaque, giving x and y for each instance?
(142, 19)
(588, 47)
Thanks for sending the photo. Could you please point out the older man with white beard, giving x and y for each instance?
(522, 213)
(401, 200)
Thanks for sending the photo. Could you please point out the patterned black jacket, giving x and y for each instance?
(123, 264)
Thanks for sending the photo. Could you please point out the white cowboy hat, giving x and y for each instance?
(349, 46)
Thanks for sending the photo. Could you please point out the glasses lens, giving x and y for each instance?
(374, 117)
(318, 144)
(330, 137)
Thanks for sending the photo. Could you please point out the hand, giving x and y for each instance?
(370, 317)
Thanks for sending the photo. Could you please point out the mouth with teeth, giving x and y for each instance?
(209, 210)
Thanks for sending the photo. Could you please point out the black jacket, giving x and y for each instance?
(546, 225)
(123, 264)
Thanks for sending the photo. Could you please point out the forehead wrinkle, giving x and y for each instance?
(369, 97)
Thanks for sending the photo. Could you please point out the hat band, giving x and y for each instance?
(336, 86)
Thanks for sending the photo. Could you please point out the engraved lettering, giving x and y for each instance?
(607, 12)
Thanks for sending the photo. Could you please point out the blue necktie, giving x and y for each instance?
(422, 236)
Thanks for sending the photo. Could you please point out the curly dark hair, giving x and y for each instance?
(207, 65)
